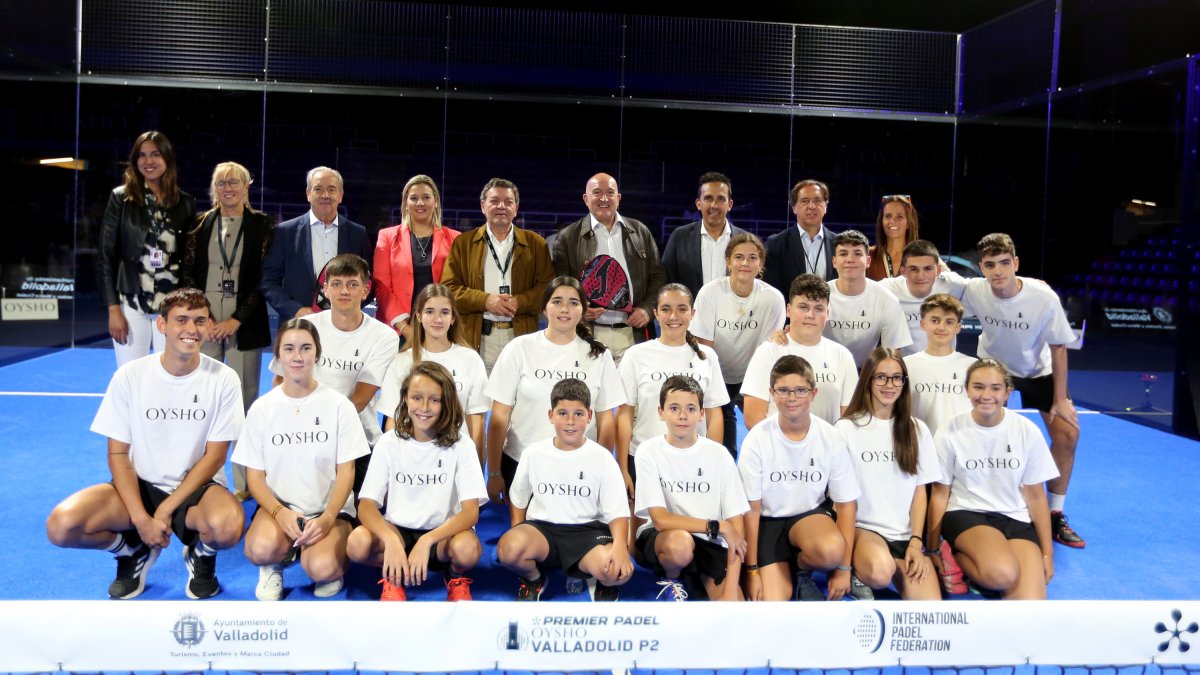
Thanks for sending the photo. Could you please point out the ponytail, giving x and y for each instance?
(691, 341)
(597, 347)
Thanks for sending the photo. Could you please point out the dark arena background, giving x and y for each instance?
(1073, 125)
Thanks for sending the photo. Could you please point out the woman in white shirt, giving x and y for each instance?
(436, 337)
(529, 367)
(990, 506)
(894, 460)
(735, 314)
(298, 446)
(646, 366)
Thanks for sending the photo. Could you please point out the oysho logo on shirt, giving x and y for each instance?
(421, 479)
(850, 325)
(300, 438)
(1010, 463)
(795, 476)
(564, 490)
(748, 324)
(176, 414)
(685, 486)
(1001, 322)
(555, 374)
(340, 364)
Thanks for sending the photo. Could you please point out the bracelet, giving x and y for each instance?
(843, 568)
(752, 571)
(916, 536)
(495, 474)
(750, 568)
(275, 511)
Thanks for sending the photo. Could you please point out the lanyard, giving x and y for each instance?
(495, 258)
(812, 262)
(237, 242)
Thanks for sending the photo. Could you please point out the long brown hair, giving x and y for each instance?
(904, 429)
(453, 335)
(687, 335)
(135, 190)
(597, 347)
(911, 234)
(449, 424)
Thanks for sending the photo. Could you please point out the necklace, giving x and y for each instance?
(423, 246)
(742, 301)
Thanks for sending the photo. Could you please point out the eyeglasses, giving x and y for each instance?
(817, 202)
(789, 394)
(232, 182)
(897, 380)
(907, 199)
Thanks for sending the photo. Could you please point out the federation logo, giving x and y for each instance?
(189, 630)
(869, 630)
(1163, 315)
(1177, 633)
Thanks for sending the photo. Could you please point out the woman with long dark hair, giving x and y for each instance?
(138, 256)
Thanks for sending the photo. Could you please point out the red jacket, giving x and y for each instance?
(394, 269)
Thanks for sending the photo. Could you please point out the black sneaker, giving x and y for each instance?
(1063, 533)
(602, 593)
(859, 590)
(805, 588)
(531, 591)
(202, 574)
(131, 573)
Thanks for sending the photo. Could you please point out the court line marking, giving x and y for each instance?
(51, 393)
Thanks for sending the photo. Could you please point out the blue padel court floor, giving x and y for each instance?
(1133, 497)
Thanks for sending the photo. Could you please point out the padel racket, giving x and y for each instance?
(605, 284)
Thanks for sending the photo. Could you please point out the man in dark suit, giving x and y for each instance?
(805, 248)
(695, 253)
(303, 245)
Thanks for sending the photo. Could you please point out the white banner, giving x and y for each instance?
(436, 636)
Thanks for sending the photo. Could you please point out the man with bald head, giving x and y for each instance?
(605, 231)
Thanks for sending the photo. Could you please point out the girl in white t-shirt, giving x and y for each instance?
(529, 367)
(989, 506)
(646, 366)
(735, 314)
(425, 474)
(298, 446)
(895, 459)
(435, 337)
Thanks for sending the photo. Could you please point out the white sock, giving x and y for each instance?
(1056, 501)
(203, 549)
(120, 547)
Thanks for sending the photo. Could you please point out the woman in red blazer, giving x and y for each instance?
(411, 255)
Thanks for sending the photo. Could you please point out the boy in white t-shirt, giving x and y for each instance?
(569, 505)
(691, 492)
(833, 365)
(356, 350)
(799, 478)
(169, 419)
(862, 315)
(1026, 330)
(922, 276)
(937, 376)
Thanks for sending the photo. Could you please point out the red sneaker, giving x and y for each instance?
(952, 574)
(457, 589)
(391, 592)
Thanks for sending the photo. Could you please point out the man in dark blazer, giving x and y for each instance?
(695, 253)
(805, 248)
(303, 245)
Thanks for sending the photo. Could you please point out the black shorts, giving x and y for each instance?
(709, 559)
(153, 497)
(569, 543)
(508, 471)
(895, 547)
(360, 472)
(410, 537)
(632, 470)
(954, 523)
(1036, 392)
(774, 545)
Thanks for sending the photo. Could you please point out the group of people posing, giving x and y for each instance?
(875, 456)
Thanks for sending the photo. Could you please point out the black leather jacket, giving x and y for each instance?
(122, 238)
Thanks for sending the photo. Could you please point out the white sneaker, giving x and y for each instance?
(328, 589)
(270, 583)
